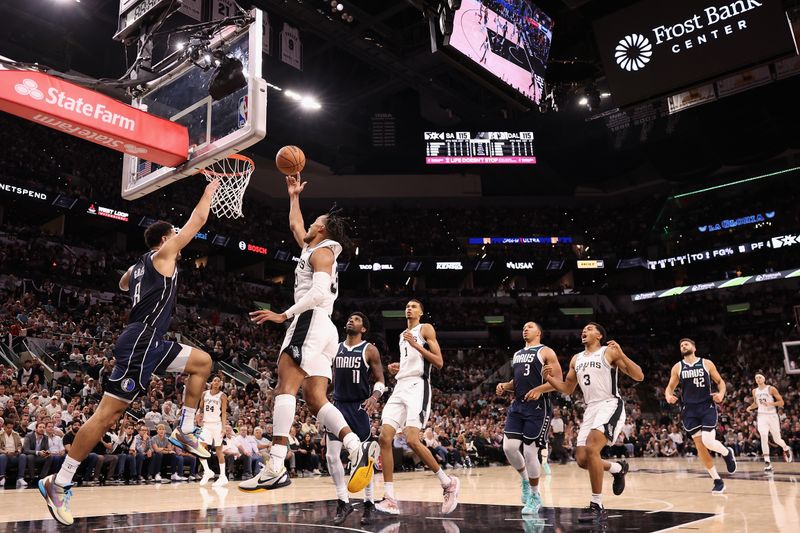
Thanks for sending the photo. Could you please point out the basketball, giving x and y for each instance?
(290, 160)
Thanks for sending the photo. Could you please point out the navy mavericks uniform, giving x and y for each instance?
(141, 349)
(698, 410)
(351, 387)
(528, 421)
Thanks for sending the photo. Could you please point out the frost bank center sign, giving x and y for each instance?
(656, 47)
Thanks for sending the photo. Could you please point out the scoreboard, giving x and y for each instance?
(482, 148)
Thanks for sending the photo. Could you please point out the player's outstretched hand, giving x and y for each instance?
(532, 395)
(717, 397)
(212, 187)
(672, 399)
(393, 368)
(295, 184)
(264, 315)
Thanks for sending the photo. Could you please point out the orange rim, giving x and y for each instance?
(214, 174)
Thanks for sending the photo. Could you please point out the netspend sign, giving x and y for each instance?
(655, 47)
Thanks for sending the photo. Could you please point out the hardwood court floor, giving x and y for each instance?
(661, 495)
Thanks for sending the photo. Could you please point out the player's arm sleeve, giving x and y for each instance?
(315, 296)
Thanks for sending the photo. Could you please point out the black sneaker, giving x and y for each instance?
(719, 487)
(619, 478)
(768, 467)
(366, 516)
(343, 510)
(593, 513)
(730, 461)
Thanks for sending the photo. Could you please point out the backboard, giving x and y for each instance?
(216, 128)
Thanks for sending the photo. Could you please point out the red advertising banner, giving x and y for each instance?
(63, 106)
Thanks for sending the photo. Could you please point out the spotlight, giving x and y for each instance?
(339, 7)
(227, 79)
(583, 101)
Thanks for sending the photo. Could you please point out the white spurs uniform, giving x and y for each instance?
(212, 418)
(605, 409)
(768, 420)
(410, 403)
(312, 339)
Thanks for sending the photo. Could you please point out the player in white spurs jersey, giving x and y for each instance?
(409, 407)
(596, 370)
(214, 407)
(766, 400)
(309, 347)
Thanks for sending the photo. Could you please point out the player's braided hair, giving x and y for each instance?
(337, 226)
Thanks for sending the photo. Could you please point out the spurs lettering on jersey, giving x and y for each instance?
(762, 397)
(304, 274)
(412, 364)
(597, 379)
(212, 407)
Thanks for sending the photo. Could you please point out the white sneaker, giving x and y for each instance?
(208, 475)
(316, 472)
(175, 477)
(2, 483)
(388, 505)
(266, 480)
(220, 482)
(158, 478)
(451, 493)
(21, 483)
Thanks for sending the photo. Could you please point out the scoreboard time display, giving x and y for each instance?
(479, 148)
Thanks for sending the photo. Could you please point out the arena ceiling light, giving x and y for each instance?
(306, 101)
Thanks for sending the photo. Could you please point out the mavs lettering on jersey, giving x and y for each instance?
(695, 383)
(527, 366)
(153, 295)
(351, 373)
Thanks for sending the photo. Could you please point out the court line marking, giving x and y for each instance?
(146, 526)
(441, 518)
(690, 523)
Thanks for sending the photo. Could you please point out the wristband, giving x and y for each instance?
(379, 387)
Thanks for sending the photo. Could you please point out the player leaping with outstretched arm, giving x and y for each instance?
(141, 351)
(309, 347)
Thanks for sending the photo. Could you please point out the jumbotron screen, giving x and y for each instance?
(509, 38)
(479, 148)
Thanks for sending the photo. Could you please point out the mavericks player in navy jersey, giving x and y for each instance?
(596, 370)
(698, 412)
(355, 360)
(141, 351)
(528, 419)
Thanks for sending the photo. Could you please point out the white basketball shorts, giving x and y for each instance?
(409, 405)
(607, 416)
(311, 341)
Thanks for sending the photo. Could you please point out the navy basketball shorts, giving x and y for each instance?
(139, 353)
(356, 417)
(528, 427)
(699, 417)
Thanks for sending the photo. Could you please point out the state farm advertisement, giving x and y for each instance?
(92, 116)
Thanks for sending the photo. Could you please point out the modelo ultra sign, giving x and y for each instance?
(659, 47)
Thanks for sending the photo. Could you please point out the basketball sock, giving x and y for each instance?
(351, 442)
(598, 499)
(283, 414)
(767, 459)
(222, 469)
(67, 471)
(444, 479)
(369, 491)
(204, 463)
(616, 468)
(523, 473)
(277, 455)
(187, 419)
(388, 489)
(545, 454)
(336, 469)
(713, 472)
(535, 489)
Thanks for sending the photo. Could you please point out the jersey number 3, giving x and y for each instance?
(587, 380)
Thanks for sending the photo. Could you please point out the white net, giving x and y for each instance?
(234, 173)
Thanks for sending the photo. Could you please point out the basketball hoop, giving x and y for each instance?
(234, 174)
